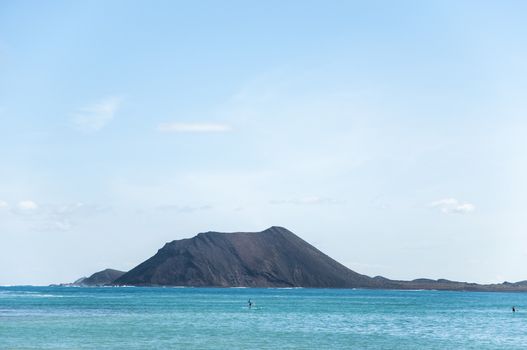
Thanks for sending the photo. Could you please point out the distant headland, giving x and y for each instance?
(275, 257)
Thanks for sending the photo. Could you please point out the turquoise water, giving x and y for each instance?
(195, 318)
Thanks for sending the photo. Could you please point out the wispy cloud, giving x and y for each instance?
(27, 205)
(61, 217)
(453, 206)
(183, 208)
(4, 205)
(52, 217)
(309, 200)
(97, 116)
(193, 127)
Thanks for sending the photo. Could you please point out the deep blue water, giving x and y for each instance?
(210, 318)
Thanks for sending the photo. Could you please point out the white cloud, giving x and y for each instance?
(54, 217)
(4, 205)
(309, 200)
(453, 206)
(183, 208)
(65, 217)
(193, 127)
(27, 205)
(61, 225)
(97, 116)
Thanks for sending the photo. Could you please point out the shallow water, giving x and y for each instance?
(210, 318)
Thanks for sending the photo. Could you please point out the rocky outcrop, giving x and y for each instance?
(101, 278)
(272, 258)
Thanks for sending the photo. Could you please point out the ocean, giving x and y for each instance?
(214, 318)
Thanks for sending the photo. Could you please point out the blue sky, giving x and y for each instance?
(390, 135)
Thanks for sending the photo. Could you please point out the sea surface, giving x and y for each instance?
(211, 318)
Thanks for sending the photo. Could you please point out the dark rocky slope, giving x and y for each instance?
(101, 278)
(273, 258)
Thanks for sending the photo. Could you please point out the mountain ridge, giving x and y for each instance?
(275, 257)
(272, 258)
(101, 278)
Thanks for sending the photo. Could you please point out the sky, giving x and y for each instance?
(390, 135)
